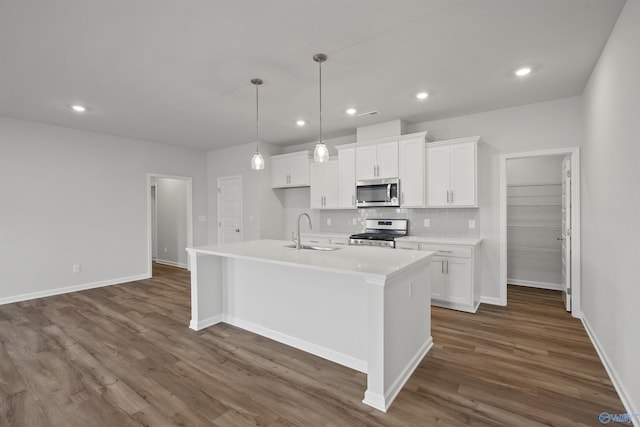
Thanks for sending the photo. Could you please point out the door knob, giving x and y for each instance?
(237, 230)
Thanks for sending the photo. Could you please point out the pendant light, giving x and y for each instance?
(321, 153)
(257, 161)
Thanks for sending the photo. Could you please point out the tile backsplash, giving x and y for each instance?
(442, 222)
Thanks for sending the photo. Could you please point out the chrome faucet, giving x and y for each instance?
(298, 245)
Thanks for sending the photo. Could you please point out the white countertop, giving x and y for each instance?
(463, 241)
(358, 260)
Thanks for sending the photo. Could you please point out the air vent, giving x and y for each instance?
(369, 113)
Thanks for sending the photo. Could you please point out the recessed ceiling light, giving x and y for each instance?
(301, 123)
(78, 108)
(422, 95)
(521, 72)
(351, 111)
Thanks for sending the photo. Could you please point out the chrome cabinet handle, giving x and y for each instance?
(447, 196)
(445, 252)
(451, 196)
(447, 266)
(442, 267)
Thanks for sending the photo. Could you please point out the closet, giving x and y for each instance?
(534, 222)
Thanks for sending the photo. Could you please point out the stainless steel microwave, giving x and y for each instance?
(378, 192)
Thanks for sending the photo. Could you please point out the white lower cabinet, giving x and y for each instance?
(454, 274)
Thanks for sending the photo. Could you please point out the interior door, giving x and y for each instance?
(229, 209)
(566, 232)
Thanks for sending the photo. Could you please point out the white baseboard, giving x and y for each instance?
(533, 284)
(325, 353)
(205, 323)
(492, 301)
(74, 288)
(613, 374)
(171, 263)
(391, 393)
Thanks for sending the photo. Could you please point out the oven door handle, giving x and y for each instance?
(389, 193)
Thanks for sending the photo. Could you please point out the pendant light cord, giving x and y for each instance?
(320, 68)
(257, 123)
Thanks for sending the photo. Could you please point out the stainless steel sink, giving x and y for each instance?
(313, 247)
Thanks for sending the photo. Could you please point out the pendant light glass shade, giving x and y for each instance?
(257, 161)
(321, 153)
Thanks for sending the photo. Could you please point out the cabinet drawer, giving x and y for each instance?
(447, 250)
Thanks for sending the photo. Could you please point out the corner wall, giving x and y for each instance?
(71, 197)
(611, 207)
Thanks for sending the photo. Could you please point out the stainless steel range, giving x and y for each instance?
(380, 232)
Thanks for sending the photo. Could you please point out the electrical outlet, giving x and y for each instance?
(76, 268)
(354, 221)
(328, 221)
(427, 222)
(165, 250)
(472, 224)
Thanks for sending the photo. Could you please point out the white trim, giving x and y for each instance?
(534, 284)
(205, 323)
(456, 305)
(624, 395)
(492, 301)
(74, 288)
(171, 263)
(574, 152)
(318, 350)
(374, 399)
(189, 215)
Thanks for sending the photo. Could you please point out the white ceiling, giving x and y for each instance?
(179, 72)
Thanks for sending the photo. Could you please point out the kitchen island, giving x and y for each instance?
(363, 307)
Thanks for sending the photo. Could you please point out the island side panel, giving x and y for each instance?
(321, 312)
(400, 334)
(207, 279)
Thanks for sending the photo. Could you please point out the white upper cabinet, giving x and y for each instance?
(347, 178)
(452, 173)
(377, 160)
(324, 185)
(290, 170)
(411, 159)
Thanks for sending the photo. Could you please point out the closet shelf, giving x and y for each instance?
(533, 249)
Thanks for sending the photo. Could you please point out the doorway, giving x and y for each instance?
(176, 238)
(230, 209)
(540, 222)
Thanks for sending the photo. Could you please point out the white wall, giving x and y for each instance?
(74, 197)
(611, 204)
(171, 196)
(262, 207)
(535, 170)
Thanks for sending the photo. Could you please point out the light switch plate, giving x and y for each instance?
(328, 221)
(427, 222)
(472, 224)
(354, 221)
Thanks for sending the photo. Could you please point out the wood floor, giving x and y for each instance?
(123, 355)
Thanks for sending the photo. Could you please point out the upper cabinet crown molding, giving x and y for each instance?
(398, 138)
(290, 170)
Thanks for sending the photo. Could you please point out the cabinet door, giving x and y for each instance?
(459, 281)
(279, 172)
(366, 162)
(463, 175)
(316, 179)
(388, 159)
(437, 278)
(299, 170)
(347, 178)
(438, 176)
(411, 169)
(330, 184)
